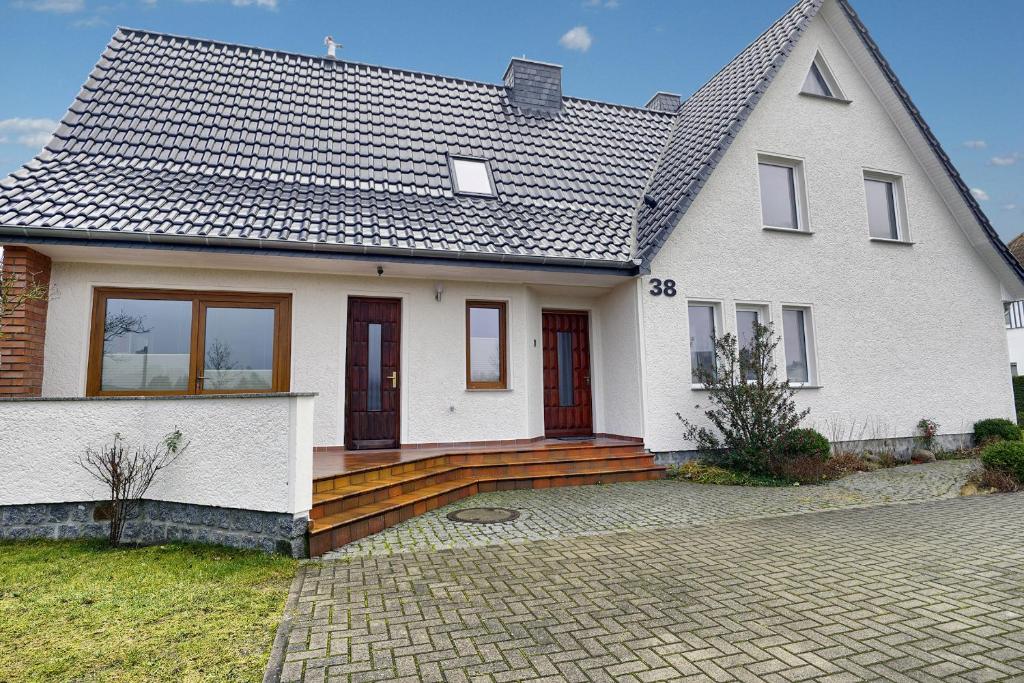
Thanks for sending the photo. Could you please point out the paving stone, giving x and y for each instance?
(913, 592)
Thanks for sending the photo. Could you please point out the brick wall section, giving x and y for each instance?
(21, 348)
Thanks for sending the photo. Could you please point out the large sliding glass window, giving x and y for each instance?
(182, 342)
(485, 345)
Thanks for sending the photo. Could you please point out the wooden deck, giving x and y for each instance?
(357, 493)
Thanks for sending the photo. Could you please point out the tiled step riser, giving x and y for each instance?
(542, 455)
(565, 467)
(350, 502)
(319, 543)
(337, 537)
(328, 484)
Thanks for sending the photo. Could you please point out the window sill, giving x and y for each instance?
(887, 240)
(837, 100)
(477, 390)
(793, 231)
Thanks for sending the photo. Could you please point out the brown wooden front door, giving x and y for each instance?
(567, 397)
(372, 373)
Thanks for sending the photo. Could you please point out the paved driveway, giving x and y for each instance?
(924, 591)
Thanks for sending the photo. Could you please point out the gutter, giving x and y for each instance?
(323, 250)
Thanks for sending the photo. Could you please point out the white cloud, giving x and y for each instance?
(266, 4)
(1008, 160)
(56, 6)
(1009, 207)
(606, 4)
(576, 38)
(91, 22)
(28, 132)
(979, 194)
(975, 144)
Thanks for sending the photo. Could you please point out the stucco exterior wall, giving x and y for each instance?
(246, 453)
(901, 332)
(620, 368)
(435, 404)
(1015, 342)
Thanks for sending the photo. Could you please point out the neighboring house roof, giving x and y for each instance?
(175, 136)
(1016, 247)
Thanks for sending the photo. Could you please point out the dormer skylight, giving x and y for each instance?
(471, 176)
(820, 81)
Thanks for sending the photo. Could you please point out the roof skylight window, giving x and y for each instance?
(471, 176)
(820, 81)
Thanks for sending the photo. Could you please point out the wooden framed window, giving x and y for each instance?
(486, 335)
(151, 342)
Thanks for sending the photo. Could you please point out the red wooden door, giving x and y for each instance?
(567, 397)
(371, 373)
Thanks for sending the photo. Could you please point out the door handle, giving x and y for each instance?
(394, 379)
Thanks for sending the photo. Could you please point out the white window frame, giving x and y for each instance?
(899, 201)
(828, 76)
(764, 314)
(716, 308)
(452, 158)
(803, 225)
(810, 341)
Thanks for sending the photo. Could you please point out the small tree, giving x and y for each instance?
(751, 411)
(128, 472)
(14, 294)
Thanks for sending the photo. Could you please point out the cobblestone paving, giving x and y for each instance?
(919, 592)
(584, 510)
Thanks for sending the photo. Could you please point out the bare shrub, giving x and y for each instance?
(14, 294)
(997, 480)
(128, 473)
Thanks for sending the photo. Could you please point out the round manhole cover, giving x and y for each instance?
(483, 515)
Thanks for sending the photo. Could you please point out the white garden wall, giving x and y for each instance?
(253, 453)
(901, 332)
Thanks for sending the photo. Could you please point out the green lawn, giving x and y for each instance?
(77, 610)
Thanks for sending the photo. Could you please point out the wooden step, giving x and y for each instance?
(357, 495)
(334, 530)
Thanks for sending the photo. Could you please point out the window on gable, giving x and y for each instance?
(884, 197)
(820, 81)
(471, 176)
(782, 193)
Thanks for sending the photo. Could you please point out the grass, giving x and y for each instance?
(78, 610)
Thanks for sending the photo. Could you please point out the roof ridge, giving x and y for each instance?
(368, 65)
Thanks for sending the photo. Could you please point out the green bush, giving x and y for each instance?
(996, 428)
(806, 443)
(1005, 456)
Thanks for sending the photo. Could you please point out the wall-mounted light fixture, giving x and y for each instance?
(438, 290)
(380, 270)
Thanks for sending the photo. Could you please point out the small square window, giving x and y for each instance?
(884, 203)
(471, 176)
(782, 200)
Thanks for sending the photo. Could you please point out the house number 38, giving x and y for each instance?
(659, 287)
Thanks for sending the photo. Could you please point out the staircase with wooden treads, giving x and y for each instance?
(351, 505)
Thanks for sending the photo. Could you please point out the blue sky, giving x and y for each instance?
(961, 62)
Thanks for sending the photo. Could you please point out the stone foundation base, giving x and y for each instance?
(161, 522)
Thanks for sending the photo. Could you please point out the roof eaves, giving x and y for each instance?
(915, 114)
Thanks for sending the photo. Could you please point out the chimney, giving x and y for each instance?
(535, 87)
(664, 101)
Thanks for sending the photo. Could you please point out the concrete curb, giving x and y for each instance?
(275, 663)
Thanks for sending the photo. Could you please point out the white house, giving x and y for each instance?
(452, 265)
(1014, 311)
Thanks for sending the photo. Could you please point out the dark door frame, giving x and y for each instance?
(349, 443)
(590, 367)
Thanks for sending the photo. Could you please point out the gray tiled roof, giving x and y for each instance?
(178, 136)
(707, 123)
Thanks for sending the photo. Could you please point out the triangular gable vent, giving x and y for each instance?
(820, 80)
